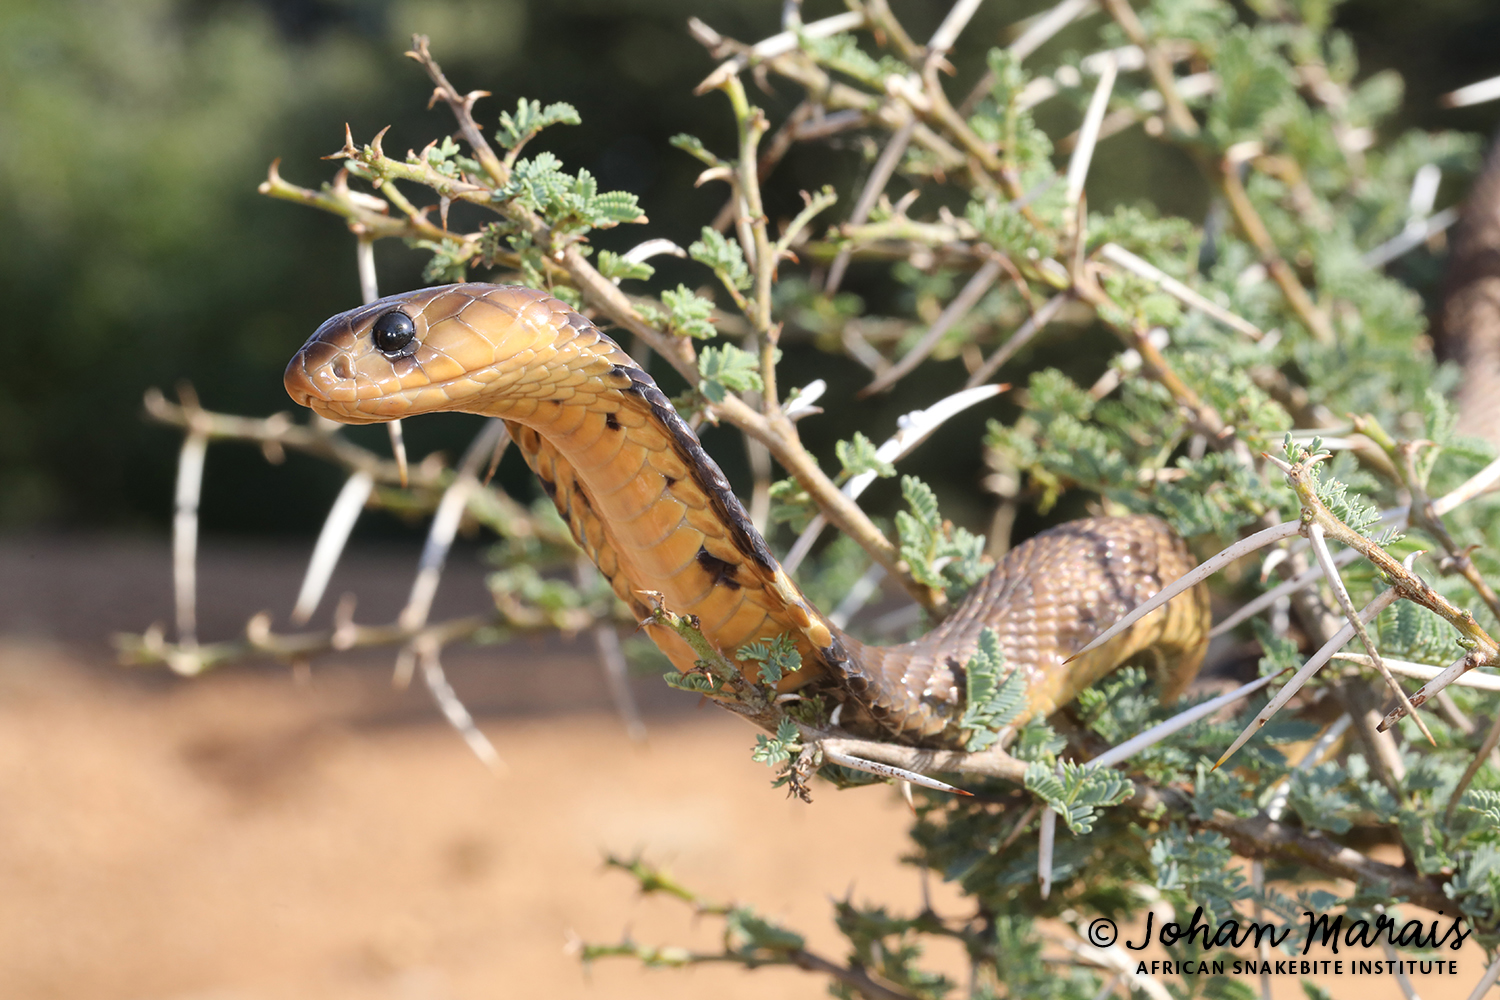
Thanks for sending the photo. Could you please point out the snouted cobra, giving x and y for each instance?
(655, 513)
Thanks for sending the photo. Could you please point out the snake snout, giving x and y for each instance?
(320, 372)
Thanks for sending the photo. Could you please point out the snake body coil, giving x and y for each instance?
(654, 513)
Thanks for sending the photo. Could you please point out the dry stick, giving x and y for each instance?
(1341, 593)
(462, 107)
(453, 710)
(880, 176)
(1046, 841)
(1116, 254)
(1181, 119)
(967, 298)
(1034, 324)
(912, 430)
(1088, 132)
(445, 524)
(890, 771)
(1309, 668)
(775, 45)
(330, 544)
(185, 533)
(1208, 568)
(1307, 577)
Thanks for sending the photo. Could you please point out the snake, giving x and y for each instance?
(657, 516)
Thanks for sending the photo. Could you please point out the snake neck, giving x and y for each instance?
(655, 514)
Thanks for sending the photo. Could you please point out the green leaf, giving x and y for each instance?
(1078, 792)
(727, 369)
(859, 455)
(530, 118)
(688, 313)
(694, 147)
(616, 268)
(777, 658)
(991, 701)
(724, 256)
(778, 749)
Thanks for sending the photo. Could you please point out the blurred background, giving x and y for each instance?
(245, 835)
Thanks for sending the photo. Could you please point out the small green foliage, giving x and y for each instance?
(688, 313)
(842, 54)
(774, 751)
(695, 683)
(747, 932)
(724, 256)
(925, 538)
(727, 369)
(1197, 868)
(858, 456)
(447, 159)
(777, 658)
(1485, 802)
(449, 261)
(616, 268)
(1038, 741)
(990, 700)
(569, 205)
(1078, 793)
(694, 147)
(1320, 797)
(1278, 652)
(1005, 228)
(792, 505)
(530, 118)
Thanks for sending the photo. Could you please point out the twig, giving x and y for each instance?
(1046, 840)
(1309, 668)
(185, 535)
(1208, 568)
(453, 710)
(967, 298)
(1088, 133)
(330, 544)
(1034, 324)
(612, 660)
(912, 429)
(880, 176)
(1116, 254)
(1341, 593)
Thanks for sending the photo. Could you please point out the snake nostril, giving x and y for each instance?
(341, 367)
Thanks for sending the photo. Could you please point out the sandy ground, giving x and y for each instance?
(245, 836)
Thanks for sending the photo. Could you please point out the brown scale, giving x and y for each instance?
(655, 513)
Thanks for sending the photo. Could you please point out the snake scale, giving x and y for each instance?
(655, 513)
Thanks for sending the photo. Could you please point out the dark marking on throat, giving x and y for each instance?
(721, 571)
(611, 421)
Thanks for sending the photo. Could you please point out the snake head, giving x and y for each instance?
(453, 347)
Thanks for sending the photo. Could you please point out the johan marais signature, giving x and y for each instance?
(1413, 934)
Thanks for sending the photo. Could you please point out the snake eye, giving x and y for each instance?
(394, 334)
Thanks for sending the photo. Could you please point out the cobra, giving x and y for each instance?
(655, 513)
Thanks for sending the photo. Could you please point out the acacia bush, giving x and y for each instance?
(1260, 377)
